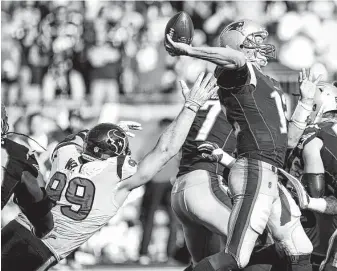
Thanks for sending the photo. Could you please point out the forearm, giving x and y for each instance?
(298, 121)
(168, 145)
(324, 205)
(223, 57)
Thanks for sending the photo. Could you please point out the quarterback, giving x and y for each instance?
(254, 106)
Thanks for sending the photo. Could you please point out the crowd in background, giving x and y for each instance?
(98, 51)
(63, 60)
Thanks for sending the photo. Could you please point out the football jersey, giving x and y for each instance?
(255, 106)
(324, 225)
(18, 165)
(210, 124)
(85, 195)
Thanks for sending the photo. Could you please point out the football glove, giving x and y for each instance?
(130, 125)
(211, 151)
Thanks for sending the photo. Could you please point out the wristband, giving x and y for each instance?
(299, 125)
(318, 205)
(192, 105)
(226, 160)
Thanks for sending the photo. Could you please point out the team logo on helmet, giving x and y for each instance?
(117, 139)
(238, 26)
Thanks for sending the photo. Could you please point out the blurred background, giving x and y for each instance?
(67, 65)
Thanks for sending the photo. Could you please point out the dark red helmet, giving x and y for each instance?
(105, 140)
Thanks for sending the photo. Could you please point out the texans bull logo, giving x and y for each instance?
(118, 140)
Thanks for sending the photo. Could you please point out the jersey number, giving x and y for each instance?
(210, 119)
(80, 194)
(280, 101)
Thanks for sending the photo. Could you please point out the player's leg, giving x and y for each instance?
(21, 250)
(200, 212)
(330, 262)
(286, 228)
(253, 186)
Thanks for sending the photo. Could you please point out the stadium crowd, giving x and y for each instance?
(60, 58)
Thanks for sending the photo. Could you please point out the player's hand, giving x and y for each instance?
(130, 125)
(308, 85)
(203, 90)
(176, 48)
(211, 151)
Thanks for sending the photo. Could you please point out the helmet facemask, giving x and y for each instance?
(256, 51)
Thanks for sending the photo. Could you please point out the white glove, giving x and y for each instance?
(308, 85)
(208, 151)
(202, 90)
(213, 153)
(130, 125)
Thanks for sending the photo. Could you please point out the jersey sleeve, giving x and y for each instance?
(129, 168)
(68, 151)
(228, 79)
(75, 140)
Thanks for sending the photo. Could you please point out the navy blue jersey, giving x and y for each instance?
(255, 107)
(210, 124)
(323, 225)
(18, 166)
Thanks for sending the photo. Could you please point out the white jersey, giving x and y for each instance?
(85, 196)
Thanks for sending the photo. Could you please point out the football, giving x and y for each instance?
(180, 28)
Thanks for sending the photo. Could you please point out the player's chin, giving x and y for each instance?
(262, 62)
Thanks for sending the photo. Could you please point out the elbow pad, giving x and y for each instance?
(314, 183)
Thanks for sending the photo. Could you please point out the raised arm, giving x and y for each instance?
(221, 56)
(313, 179)
(298, 121)
(174, 136)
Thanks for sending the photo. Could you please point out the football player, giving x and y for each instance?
(92, 185)
(19, 170)
(254, 107)
(198, 198)
(316, 153)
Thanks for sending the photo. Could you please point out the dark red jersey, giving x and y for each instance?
(324, 225)
(255, 107)
(210, 124)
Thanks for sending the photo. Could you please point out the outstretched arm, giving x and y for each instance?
(174, 136)
(313, 179)
(221, 56)
(303, 109)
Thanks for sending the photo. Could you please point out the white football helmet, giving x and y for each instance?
(248, 37)
(325, 100)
